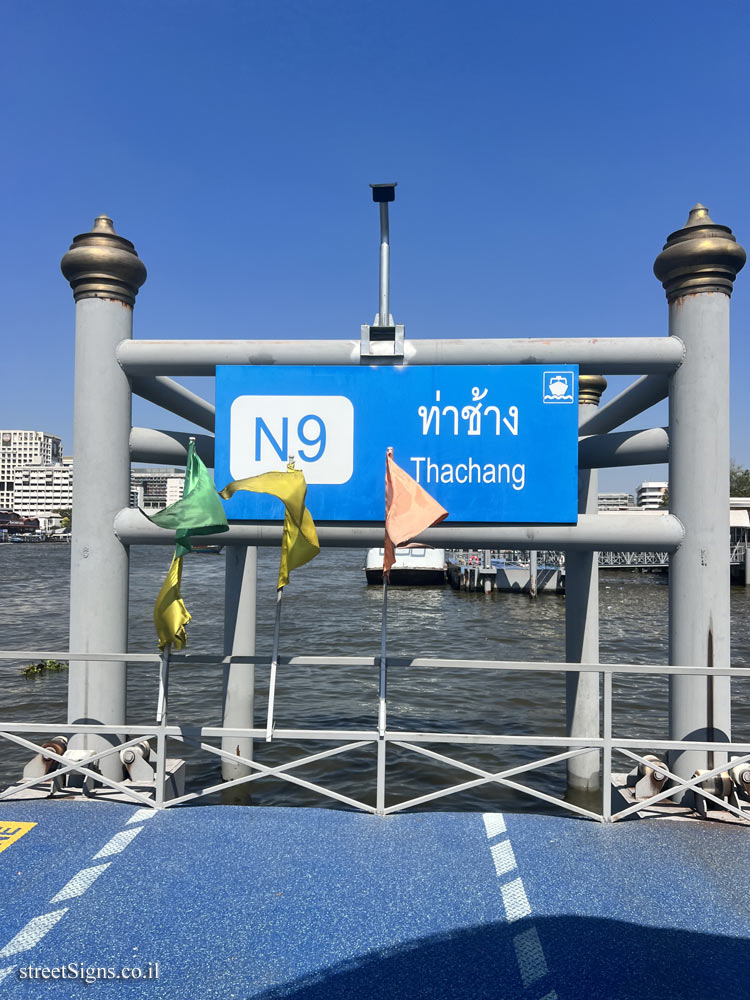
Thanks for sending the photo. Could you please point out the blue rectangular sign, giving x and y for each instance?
(492, 444)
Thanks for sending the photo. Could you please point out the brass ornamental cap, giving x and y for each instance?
(590, 389)
(102, 265)
(700, 257)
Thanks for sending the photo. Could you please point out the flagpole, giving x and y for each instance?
(161, 703)
(383, 666)
(161, 720)
(274, 663)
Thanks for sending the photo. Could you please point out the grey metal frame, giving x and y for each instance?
(697, 267)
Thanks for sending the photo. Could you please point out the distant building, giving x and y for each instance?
(20, 450)
(41, 490)
(739, 520)
(651, 495)
(12, 523)
(616, 501)
(153, 489)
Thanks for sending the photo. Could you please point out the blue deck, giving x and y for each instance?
(313, 903)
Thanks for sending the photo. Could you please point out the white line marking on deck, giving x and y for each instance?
(140, 814)
(503, 856)
(530, 957)
(32, 933)
(37, 927)
(515, 900)
(494, 824)
(118, 843)
(532, 965)
(80, 883)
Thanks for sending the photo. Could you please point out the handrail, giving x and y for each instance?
(605, 743)
(421, 662)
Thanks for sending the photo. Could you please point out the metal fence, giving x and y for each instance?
(607, 560)
(158, 732)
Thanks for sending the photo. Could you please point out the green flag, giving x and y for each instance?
(200, 512)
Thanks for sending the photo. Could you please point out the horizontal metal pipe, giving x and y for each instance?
(168, 447)
(614, 355)
(189, 732)
(598, 532)
(605, 451)
(639, 396)
(176, 398)
(406, 662)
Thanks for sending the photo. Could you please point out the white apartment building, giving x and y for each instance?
(153, 489)
(651, 495)
(20, 450)
(41, 490)
(616, 501)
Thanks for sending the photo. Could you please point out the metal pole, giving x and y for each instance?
(533, 574)
(697, 267)
(610, 355)
(240, 583)
(383, 685)
(582, 615)
(274, 665)
(605, 532)
(384, 314)
(105, 274)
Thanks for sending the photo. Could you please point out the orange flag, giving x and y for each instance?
(409, 510)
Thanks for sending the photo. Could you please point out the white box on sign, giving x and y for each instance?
(317, 430)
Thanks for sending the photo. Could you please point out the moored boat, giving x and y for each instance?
(415, 566)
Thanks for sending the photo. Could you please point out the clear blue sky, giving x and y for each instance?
(543, 153)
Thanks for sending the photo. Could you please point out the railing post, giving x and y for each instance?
(582, 615)
(380, 778)
(697, 267)
(239, 678)
(607, 752)
(105, 274)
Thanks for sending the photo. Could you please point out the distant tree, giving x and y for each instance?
(66, 517)
(739, 480)
(739, 483)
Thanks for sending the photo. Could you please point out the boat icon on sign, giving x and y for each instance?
(558, 387)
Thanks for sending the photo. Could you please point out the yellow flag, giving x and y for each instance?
(300, 542)
(170, 614)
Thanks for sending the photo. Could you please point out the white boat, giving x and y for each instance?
(415, 565)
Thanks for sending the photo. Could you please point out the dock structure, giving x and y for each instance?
(362, 901)
(697, 266)
(316, 904)
(645, 561)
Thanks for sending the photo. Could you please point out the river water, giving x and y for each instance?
(329, 610)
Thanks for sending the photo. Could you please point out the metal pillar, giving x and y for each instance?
(697, 267)
(582, 614)
(239, 640)
(105, 274)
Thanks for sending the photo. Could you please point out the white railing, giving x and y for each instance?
(160, 731)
